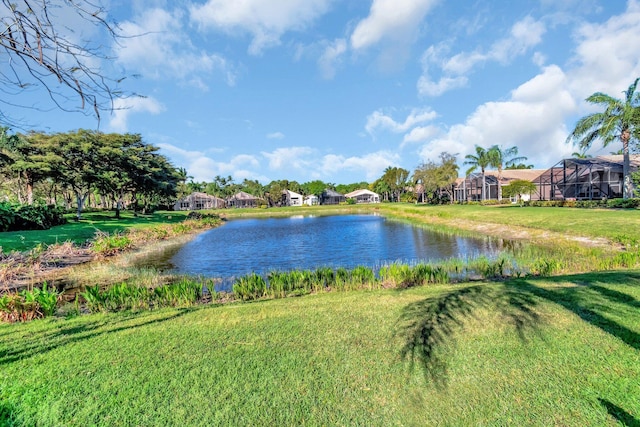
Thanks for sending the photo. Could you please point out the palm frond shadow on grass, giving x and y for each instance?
(625, 418)
(587, 308)
(56, 336)
(428, 325)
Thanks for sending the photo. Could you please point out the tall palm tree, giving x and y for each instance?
(619, 120)
(481, 160)
(501, 158)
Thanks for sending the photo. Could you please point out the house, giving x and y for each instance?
(363, 196)
(331, 197)
(311, 200)
(243, 200)
(197, 201)
(291, 198)
(593, 178)
(470, 188)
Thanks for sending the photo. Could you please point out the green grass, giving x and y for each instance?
(606, 223)
(554, 351)
(85, 229)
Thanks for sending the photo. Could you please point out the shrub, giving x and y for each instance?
(16, 217)
(623, 203)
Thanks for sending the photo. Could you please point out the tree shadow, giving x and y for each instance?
(45, 341)
(426, 326)
(620, 414)
(570, 299)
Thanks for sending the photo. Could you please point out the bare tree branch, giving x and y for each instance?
(40, 48)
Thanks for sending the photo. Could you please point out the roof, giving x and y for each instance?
(200, 195)
(241, 195)
(331, 193)
(513, 174)
(634, 159)
(361, 192)
(292, 193)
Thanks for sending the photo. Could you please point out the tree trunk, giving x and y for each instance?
(80, 199)
(627, 188)
(484, 186)
(29, 186)
(119, 205)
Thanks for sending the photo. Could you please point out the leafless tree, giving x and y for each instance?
(44, 44)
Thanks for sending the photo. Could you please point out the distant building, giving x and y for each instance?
(363, 196)
(243, 200)
(585, 179)
(311, 200)
(291, 198)
(196, 201)
(470, 188)
(331, 197)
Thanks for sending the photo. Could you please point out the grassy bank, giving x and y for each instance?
(81, 231)
(560, 351)
(611, 224)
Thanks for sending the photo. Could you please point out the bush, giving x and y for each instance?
(623, 203)
(16, 217)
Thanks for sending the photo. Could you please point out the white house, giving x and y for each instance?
(311, 200)
(363, 196)
(291, 198)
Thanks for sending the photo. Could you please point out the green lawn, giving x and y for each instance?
(83, 230)
(559, 351)
(606, 223)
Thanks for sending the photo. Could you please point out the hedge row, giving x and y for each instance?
(588, 204)
(16, 217)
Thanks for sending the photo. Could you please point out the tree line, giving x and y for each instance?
(71, 168)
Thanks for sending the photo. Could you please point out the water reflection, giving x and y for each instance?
(243, 246)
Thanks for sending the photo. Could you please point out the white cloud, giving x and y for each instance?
(372, 164)
(331, 57)
(275, 135)
(125, 107)
(203, 168)
(524, 35)
(390, 19)
(158, 46)
(420, 134)
(532, 119)
(606, 58)
(265, 21)
(428, 87)
(290, 158)
(379, 120)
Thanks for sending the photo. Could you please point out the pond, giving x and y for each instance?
(242, 246)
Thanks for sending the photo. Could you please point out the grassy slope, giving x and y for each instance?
(561, 351)
(83, 230)
(606, 223)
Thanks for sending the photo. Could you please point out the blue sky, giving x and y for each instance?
(340, 90)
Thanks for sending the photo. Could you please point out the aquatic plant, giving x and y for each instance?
(249, 287)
